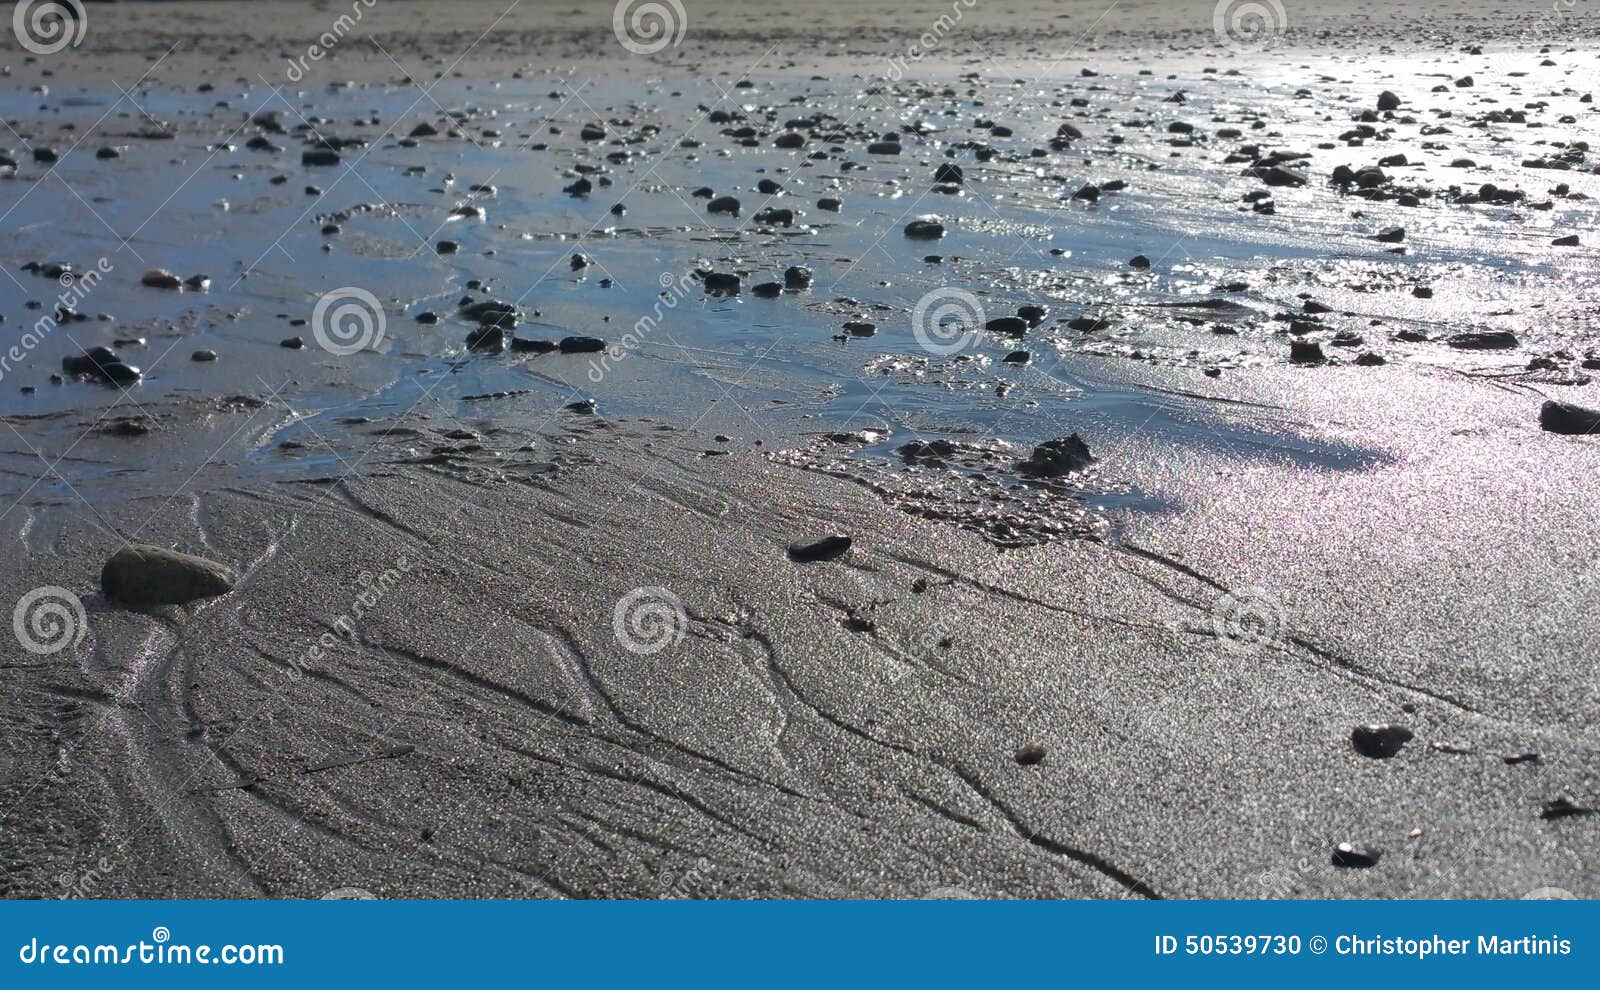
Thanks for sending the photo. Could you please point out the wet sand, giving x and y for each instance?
(587, 666)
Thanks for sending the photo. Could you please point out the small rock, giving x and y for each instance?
(581, 345)
(1484, 340)
(1352, 855)
(1566, 418)
(1380, 741)
(827, 548)
(1305, 352)
(926, 230)
(1057, 457)
(487, 340)
(1563, 807)
(160, 278)
(203, 355)
(1031, 754)
(140, 574)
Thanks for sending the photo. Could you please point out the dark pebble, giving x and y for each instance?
(1566, 418)
(581, 345)
(1355, 856)
(1031, 754)
(827, 548)
(1380, 741)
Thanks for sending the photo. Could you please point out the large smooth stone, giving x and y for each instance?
(139, 574)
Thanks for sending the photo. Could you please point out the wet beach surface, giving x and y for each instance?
(580, 639)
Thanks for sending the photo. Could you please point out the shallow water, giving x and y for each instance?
(779, 369)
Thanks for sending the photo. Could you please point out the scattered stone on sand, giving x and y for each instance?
(728, 205)
(292, 343)
(827, 548)
(1566, 418)
(925, 230)
(143, 575)
(160, 278)
(1030, 754)
(1483, 340)
(581, 345)
(1306, 352)
(797, 277)
(1563, 807)
(488, 339)
(203, 355)
(1057, 457)
(1380, 741)
(721, 284)
(1352, 855)
(1278, 175)
(1388, 101)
